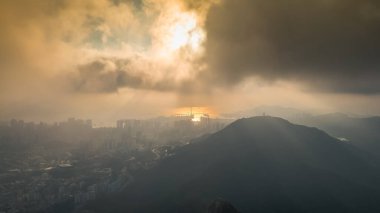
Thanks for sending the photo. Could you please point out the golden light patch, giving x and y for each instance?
(179, 29)
(197, 112)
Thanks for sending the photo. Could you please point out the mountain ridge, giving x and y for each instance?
(259, 164)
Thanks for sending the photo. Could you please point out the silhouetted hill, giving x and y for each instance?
(361, 132)
(259, 164)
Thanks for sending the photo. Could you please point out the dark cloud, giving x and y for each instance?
(331, 45)
(198, 5)
(107, 75)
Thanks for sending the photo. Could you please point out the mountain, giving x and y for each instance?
(259, 164)
(361, 132)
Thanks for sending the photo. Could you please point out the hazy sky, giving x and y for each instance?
(110, 59)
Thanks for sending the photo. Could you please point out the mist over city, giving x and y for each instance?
(214, 106)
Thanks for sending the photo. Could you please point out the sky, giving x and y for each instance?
(112, 59)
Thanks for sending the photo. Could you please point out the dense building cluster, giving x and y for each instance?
(66, 164)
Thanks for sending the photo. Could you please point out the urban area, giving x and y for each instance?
(63, 165)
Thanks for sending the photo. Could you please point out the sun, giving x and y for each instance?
(185, 32)
(180, 30)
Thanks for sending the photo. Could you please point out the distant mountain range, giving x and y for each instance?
(260, 164)
(361, 132)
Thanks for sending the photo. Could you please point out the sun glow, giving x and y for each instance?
(196, 119)
(197, 112)
(185, 33)
(180, 30)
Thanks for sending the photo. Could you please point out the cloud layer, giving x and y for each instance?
(331, 45)
(67, 57)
